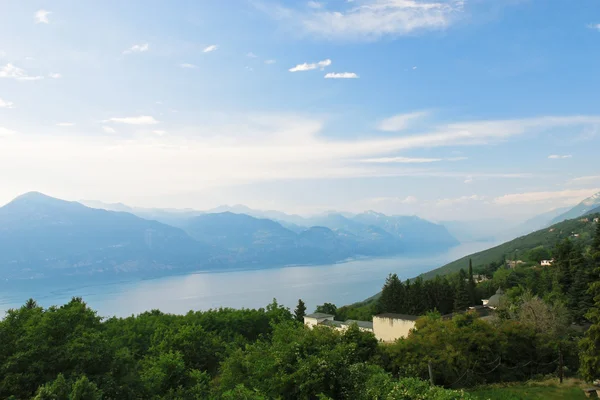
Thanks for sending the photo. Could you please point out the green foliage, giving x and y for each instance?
(327, 308)
(520, 247)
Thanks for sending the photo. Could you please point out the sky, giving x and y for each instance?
(447, 109)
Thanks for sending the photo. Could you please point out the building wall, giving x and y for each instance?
(390, 329)
(311, 322)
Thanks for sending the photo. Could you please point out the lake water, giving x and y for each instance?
(341, 284)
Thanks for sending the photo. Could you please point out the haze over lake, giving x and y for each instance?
(341, 283)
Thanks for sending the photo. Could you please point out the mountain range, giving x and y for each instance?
(41, 236)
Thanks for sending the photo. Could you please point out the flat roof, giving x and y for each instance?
(361, 324)
(319, 315)
(329, 322)
(405, 317)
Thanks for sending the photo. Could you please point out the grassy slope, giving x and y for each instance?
(549, 390)
(544, 237)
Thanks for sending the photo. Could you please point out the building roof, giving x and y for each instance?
(330, 322)
(319, 315)
(495, 300)
(405, 317)
(361, 324)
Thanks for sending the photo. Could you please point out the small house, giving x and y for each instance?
(546, 263)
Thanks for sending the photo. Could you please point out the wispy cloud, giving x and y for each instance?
(459, 200)
(394, 200)
(188, 66)
(341, 75)
(137, 48)
(54, 75)
(65, 124)
(159, 132)
(108, 129)
(562, 196)
(311, 66)
(6, 104)
(141, 120)
(210, 48)
(370, 19)
(41, 16)
(585, 180)
(251, 55)
(594, 26)
(270, 61)
(410, 160)
(13, 72)
(314, 4)
(401, 121)
(559, 157)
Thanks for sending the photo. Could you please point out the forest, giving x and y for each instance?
(549, 325)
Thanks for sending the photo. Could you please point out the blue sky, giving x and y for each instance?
(445, 109)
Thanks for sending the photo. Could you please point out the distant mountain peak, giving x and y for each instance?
(592, 200)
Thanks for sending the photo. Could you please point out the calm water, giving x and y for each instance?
(340, 284)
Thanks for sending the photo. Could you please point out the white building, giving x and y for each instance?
(385, 327)
(389, 327)
(546, 263)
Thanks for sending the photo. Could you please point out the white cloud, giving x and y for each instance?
(468, 180)
(270, 61)
(108, 129)
(371, 19)
(65, 124)
(141, 120)
(314, 4)
(243, 149)
(6, 104)
(13, 72)
(559, 157)
(159, 132)
(41, 16)
(137, 48)
(188, 66)
(582, 180)
(401, 121)
(251, 55)
(210, 48)
(562, 196)
(341, 75)
(394, 200)
(55, 75)
(459, 200)
(414, 68)
(308, 67)
(6, 132)
(594, 26)
(410, 160)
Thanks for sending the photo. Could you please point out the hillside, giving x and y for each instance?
(546, 237)
(41, 236)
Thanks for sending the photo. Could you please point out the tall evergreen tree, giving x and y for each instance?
(300, 311)
(461, 297)
(590, 345)
(392, 296)
(471, 285)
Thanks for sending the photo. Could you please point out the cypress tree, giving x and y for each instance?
(300, 311)
(461, 296)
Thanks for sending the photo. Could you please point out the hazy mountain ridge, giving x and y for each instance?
(580, 209)
(41, 236)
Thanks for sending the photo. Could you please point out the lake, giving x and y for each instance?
(341, 284)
